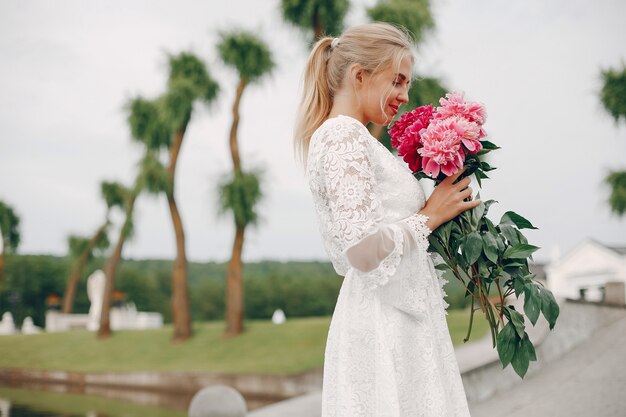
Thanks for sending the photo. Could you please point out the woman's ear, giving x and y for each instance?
(357, 75)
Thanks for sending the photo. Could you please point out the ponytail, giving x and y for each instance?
(316, 101)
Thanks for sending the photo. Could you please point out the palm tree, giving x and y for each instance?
(9, 224)
(147, 127)
(81, 248)
(189, 81)
(252, 60)
(151, 177)
(613, 98)
(323, 17)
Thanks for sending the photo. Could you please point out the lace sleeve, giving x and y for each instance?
(373, 248)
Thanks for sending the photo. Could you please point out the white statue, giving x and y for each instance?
(95, 292)
(7, 325)
(278, 317)
(28, 327)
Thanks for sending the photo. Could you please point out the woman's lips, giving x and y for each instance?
(394, 108)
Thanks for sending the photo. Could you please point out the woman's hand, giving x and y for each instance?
(446, 201)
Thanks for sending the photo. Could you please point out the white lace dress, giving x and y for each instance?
(388, 351)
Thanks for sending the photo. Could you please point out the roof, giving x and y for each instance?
(619, 249)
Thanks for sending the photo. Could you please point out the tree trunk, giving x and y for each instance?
(234, 288)
(318, 30)
(234, 146)
(110, 270)
(234, 280)
(180, 293)
(72, 282)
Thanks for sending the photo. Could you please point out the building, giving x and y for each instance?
(585, 271)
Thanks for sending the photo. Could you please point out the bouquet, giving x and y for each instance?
(490, 260)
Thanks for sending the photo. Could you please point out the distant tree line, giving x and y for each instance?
(300, 289)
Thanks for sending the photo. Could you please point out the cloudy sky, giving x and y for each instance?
(68, 67)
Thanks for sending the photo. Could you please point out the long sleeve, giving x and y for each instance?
(373, 248)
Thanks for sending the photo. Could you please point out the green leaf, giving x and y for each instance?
(549, 306)
(518, 286)
(477, 174)
(519, 251)
(488, 204)
(492, 229)
(442, 267)
(520, 359)
(512, 218)
(444, 232)
(511, 263)
(518, 321)
(521, 237)
(532, 303)
(508, 232)
(490, 246)
(434, 242)
(473, 247)
(489, 145)
(501, 245)
(486, 167)
(532, 355)
(505, 343)
(477, 214)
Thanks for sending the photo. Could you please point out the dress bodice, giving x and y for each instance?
(381, 183)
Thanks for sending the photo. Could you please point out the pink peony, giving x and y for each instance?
(417, 119)
(442, 150)
(469, 133)
(435, 140)
(408, 150)
(455, 105)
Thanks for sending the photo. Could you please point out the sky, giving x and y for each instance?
(68, 68)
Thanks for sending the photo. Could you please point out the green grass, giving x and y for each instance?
(296, 346)
(80, 404)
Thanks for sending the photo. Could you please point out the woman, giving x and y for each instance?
(388, 351)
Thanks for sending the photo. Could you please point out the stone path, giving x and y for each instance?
(588, 381)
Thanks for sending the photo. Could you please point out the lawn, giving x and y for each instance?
(295, 346)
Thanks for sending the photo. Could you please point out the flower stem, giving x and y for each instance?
(469, 330)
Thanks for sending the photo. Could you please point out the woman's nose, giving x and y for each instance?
(403, 97)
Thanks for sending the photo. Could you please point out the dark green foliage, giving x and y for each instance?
(28, 280)
(617, 200)
(306, 14)
(114, 193)
(9, 227)
(177, 103)
(153, 176)
(246, 53)
(77, 245)
(486, 258)
(414, 15)
(190, 69)
(613, 93)
(147, 124)
(239, 194)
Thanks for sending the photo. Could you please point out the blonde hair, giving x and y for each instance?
(375, 46)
